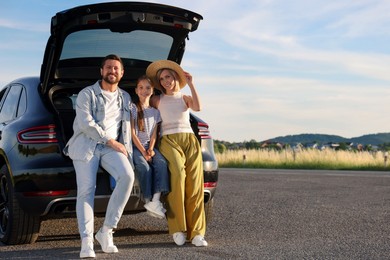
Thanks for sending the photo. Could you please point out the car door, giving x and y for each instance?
(12, 106)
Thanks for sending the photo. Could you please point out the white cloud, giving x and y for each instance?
(24, 26)
(370, 18)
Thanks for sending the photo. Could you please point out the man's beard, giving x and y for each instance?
(107, 79)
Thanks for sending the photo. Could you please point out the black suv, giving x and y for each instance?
(37, 181)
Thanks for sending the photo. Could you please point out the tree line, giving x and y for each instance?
(222, 146)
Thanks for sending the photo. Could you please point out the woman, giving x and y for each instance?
(179, 145)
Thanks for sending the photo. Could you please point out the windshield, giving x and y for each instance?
(139, 45)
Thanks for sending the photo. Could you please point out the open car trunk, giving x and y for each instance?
(139, 33)
(81, 37)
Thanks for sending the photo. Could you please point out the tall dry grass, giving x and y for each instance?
(303, 159)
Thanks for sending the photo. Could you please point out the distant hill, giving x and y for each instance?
(373, 139)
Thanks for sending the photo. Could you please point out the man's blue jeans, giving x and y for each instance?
(152, 176)
(119, 167)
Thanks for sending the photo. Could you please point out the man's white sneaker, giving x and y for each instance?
(155, 209)
(106, 241)
(199, 241)
(87, 248)
(179, 238)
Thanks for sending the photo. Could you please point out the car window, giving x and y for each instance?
(140, 45)
(22, 104)
(10, 105)
(2, 92)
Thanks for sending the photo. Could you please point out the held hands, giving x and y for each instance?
(148, 155)
(151, 152)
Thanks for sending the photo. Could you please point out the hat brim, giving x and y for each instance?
(154, 67)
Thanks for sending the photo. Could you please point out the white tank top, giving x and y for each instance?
(175, 114)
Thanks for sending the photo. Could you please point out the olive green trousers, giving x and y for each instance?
(185, 209)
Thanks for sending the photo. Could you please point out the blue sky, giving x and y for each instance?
(263, 68)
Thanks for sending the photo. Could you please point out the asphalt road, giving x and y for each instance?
(258, 214)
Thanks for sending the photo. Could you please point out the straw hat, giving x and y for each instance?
(157, 65)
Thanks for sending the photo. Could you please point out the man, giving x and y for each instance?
(102, 136)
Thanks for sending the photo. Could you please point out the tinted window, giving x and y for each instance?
(10, 105)
(2, 93)
(22, 104)
(141, 45)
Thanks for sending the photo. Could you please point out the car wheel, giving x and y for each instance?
(208, 208)
(16, 227)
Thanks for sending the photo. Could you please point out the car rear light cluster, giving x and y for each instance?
(204, 132)
(210, 184)
(38, 134)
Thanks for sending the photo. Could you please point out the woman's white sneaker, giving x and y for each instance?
(179, 238)
(199, 241)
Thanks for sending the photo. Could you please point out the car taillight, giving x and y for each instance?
(210, 184)
(38, 134)
(204, 132)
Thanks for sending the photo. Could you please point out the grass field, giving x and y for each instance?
(304, 159)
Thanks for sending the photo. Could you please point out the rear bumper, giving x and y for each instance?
(60, 207)
(36, 190)
(47, 206)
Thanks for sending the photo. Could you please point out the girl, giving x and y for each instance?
(150, 165)
(181, 148)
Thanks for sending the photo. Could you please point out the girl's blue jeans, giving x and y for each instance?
(152, 176)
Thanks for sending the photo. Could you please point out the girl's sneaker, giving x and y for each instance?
(155, 209)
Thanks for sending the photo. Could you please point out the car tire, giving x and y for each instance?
(16, 227)
(208, 209)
